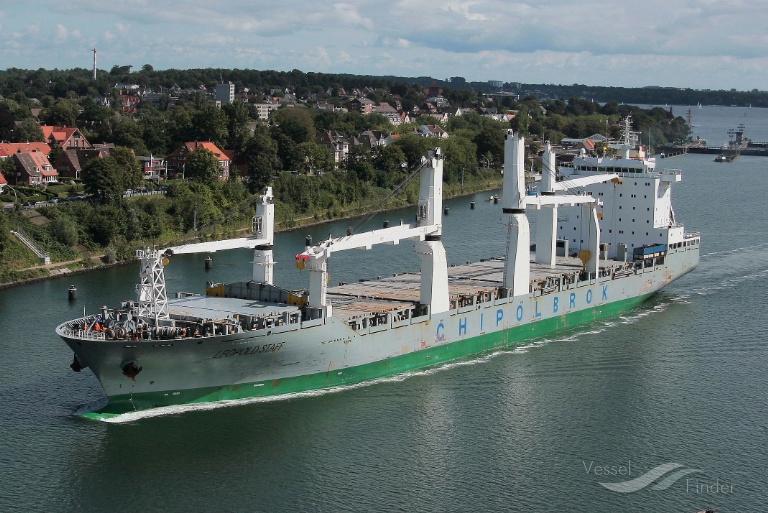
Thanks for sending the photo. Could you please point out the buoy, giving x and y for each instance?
(495, 200)
(386, 223)
(72, 292)
(308, 241)
(349, 230)
(445, 210)
(472, 205)
(208, 262)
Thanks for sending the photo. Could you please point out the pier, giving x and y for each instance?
(739, 145)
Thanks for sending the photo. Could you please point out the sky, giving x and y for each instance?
(701, 44)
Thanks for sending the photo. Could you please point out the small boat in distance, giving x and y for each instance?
(726, 157)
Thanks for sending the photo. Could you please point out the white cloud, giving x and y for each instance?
(591, 42)
(61, 34)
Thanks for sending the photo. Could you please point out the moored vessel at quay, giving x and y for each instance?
(596, 253)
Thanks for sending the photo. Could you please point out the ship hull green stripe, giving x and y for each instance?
(379, 369)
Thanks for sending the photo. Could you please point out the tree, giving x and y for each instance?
(263, 162)
(194, 205)
(64, 229)
(7, 121)
(237, 124)
(210, 124)
(103, 180)
(391, 164)
(28, 130)
(490, 144)
(180, 123)
(359, 163)
(314, 158)
(202, 166)
(107, 179)
(414, 147)
(93, 114)
(154, 131)
(295, 123)
(127, 133)
(129, 165)
(286, 151)
(460, 158)
(107, 223)
(63, 113)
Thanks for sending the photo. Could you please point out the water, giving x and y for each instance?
(681, 380)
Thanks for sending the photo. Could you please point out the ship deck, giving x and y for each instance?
(400, 292)
(390, 294)
(222, 308)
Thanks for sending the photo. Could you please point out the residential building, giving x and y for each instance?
(432, 131)
(64, 137)
(71, 162)
(8, 149)
(337, 143)
(371, 139)
(439, 102)
(265, 109)
(225, 92)
(433, 90)
(238, 163)
(362, 105)
(154, 168)
(33, 168)
(178, 159)
(388, 112)
(129, 97)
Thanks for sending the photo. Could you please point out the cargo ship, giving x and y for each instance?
(606, 239)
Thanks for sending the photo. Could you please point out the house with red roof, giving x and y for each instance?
(178, 159)
(64, 137)
(3, 182)
(8, 149)
(34, 168)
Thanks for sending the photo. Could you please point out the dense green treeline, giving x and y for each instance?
(56, 83)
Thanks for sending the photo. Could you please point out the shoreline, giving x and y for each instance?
(70, 272)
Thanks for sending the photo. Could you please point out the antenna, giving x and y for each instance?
(95, 51)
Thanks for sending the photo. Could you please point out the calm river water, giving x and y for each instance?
(681, 380)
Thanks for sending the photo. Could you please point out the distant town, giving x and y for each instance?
(113, 160)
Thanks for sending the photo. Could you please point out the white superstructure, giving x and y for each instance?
(634, 204)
